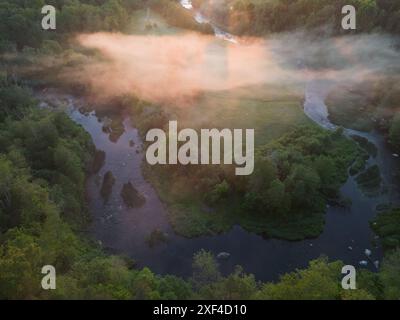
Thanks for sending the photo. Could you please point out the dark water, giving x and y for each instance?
(125, 230)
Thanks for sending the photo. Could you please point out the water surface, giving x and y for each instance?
(126, 230)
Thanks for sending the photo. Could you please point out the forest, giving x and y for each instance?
(46, 159)
(253, 17)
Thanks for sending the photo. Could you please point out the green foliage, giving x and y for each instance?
(303, 184)
(256, 17)
(370, 282)
(390, 275)
(219, 192)
(359, 294)
(177, 16)
(54, 153)
(370, 180)
(43, 161)
(284, 197)
(387, 226)
(320, 281)
(236, 286)
(20, 265)
(205, 269)
(174, 288)
(51, 47)
(82, 17)
(20, 21)
(14, 100)
(294, 177)
(366, 145)
(358, 165)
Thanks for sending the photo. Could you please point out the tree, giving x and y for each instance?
(236, 286)
(146, 285)
(303, 183)
(321, 280)
(20, 265)
(276, 198)
(390, 275)
(327, 171)
(358, 294)
(205, 269)
(219, 192)
(7, 176)
(174, 288)
(68, 163)
(14, 101)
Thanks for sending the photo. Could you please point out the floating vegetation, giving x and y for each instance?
(358, 166)
(156, 237)
(98, 161)
(106, 188)
(114, 127)
(131, 197)
(366, 145)
(387, 226)
(370, 181)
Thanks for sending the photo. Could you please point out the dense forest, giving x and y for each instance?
(45, 159)
(253, 17)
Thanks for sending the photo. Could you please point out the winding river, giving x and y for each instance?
(124, 230)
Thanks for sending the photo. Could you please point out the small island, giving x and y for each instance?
(132, 198)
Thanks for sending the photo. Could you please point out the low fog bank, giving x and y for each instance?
(166, 68)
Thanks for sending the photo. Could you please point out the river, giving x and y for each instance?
(124, 230)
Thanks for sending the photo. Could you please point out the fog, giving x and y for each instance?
(166, 68)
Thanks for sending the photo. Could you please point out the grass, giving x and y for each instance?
(350, 109)
(270, 111)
